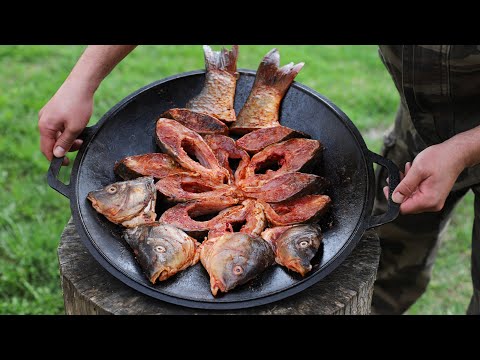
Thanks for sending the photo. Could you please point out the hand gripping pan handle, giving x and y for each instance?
(56, 164)
(394, 179)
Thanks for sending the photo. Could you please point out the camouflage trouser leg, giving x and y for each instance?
(410, 243)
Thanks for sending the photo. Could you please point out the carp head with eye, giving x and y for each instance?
(129, 203)
(234, 259)
(297, 246)
(162, 250)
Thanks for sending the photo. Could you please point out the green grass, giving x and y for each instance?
(32, 215)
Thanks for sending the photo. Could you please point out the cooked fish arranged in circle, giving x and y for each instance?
(251, 202)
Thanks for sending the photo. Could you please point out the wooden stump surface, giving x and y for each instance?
(89, 289)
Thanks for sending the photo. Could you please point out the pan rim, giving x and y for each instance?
(218, 304)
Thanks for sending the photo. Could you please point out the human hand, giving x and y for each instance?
(64, 117)
(429, 179)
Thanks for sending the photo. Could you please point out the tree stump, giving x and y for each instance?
(89, 289)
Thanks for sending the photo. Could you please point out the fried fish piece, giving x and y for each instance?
(218, 93)
(162, 250)
(249, 215)
(157, 165)
(295, 246)
(225, 151)
(234, 259)
(259, 139)
(187, 187)
(292, 155)
(189, 216)
(201, 123)
(261, 110)
(129, 203)
(305, 209)
(285, 187)
(189, 149)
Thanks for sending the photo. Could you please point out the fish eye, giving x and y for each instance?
(160, 249)
(304, 243)
(112, 189)
(237, 270)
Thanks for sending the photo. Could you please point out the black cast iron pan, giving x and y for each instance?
(128, 129)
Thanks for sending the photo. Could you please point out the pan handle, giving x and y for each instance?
(394, 179)
(56, 164)
(52, 179)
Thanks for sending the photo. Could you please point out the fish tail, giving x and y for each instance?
(270, 74)
(221, 60)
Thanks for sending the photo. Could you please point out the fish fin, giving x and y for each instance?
(214, 286)
(156, 276)
(221, 60)
(270, 74)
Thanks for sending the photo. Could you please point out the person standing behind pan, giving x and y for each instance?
(436, 138)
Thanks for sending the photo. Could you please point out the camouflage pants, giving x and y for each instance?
(410, 243)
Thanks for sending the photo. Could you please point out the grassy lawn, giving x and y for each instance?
(32, 215)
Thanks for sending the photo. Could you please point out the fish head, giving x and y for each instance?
(158, 249)
(237, 258)
(158, 257)
(121, 201)
(297, 246)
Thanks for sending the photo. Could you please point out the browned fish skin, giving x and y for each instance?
(249, 214)
(218, 93)
(182, 215)
(261, 110)
(296, 247)
(201, 123)
(305, 209)
(156, 164)
(162, 250)
(286, 186)
(129, 203)
(187, 187)
(234, 259)
(224, 149)
(259, 139)
(287, 156)
(181, 143)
